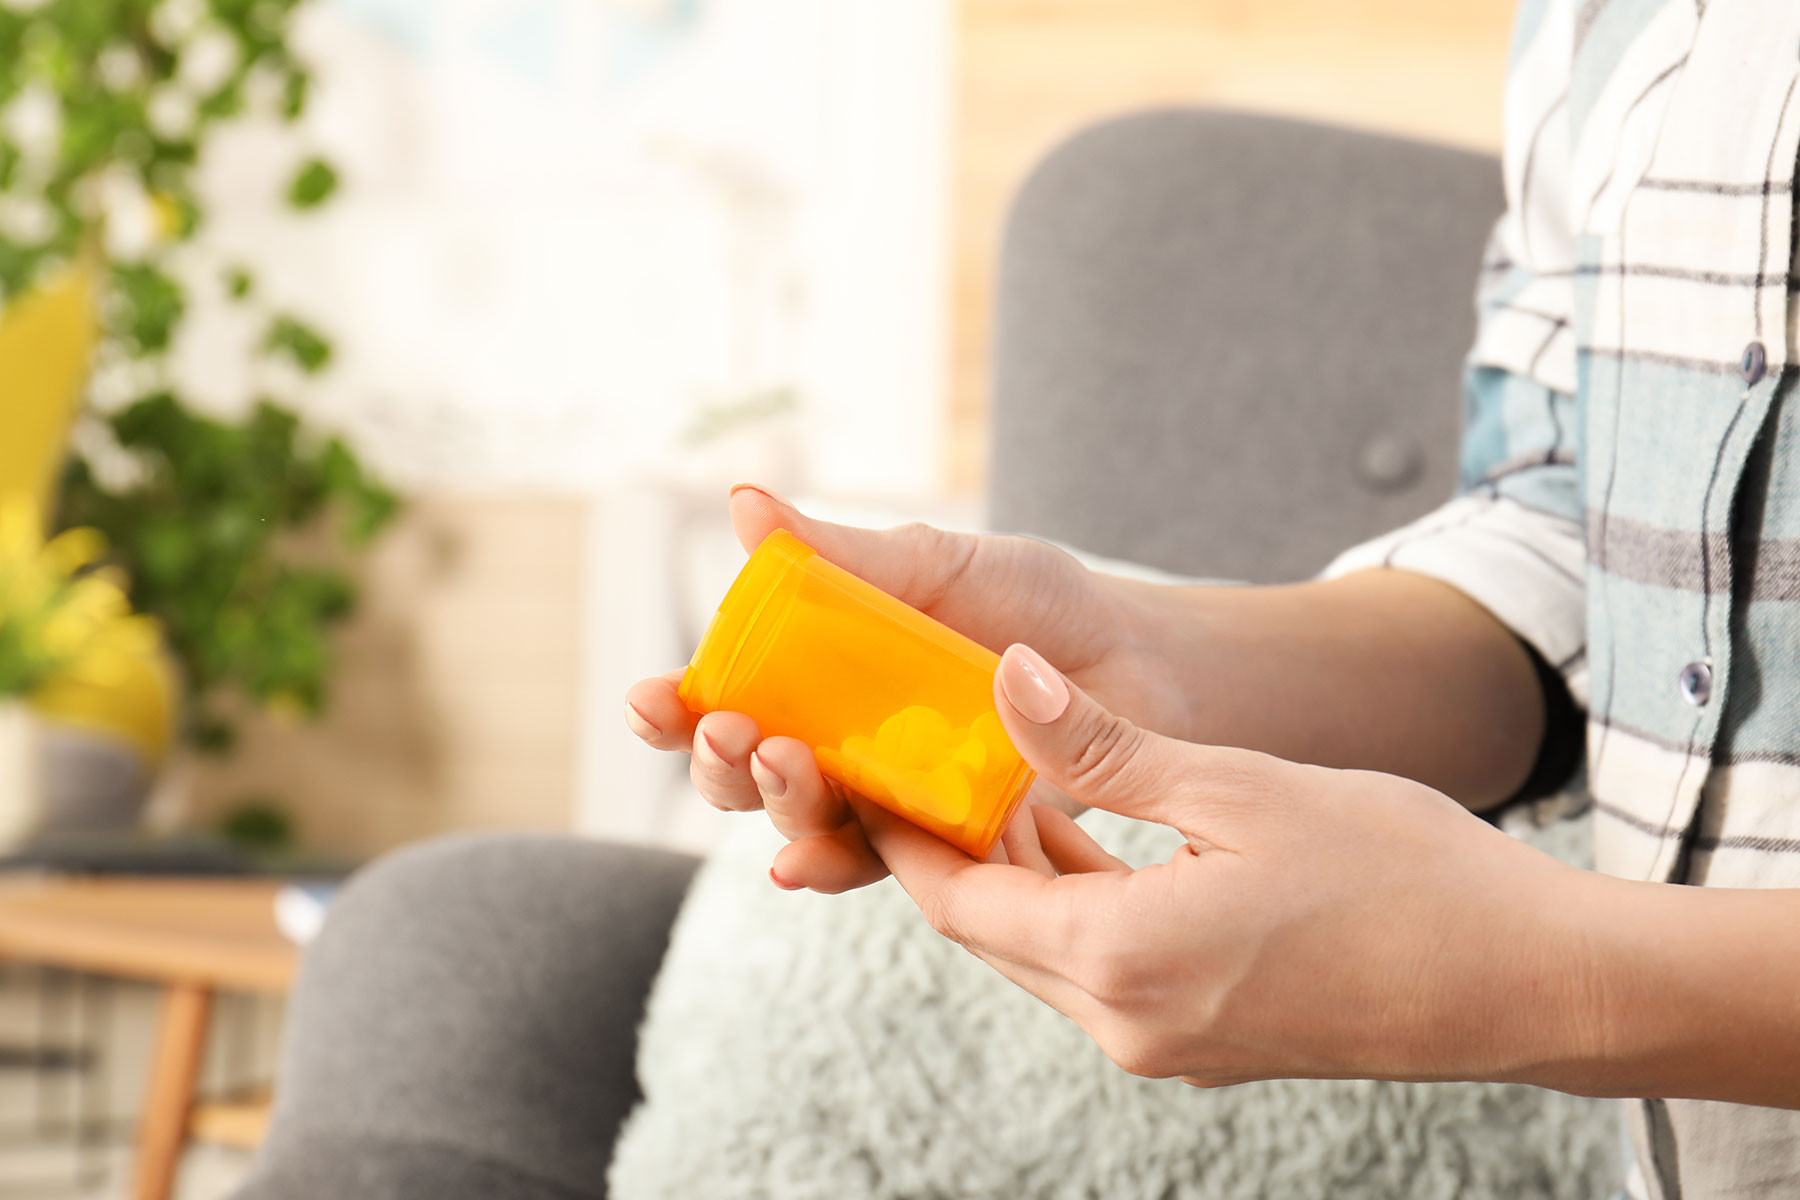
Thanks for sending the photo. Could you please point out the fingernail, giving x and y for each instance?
(1033, 686)
(777, 497)
(767, 778)
(641, 725)
(706, 748)
(781, 883)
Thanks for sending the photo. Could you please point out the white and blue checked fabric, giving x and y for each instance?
(1631, 463)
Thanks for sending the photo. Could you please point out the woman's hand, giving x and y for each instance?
(996, 590)
(1318, 923)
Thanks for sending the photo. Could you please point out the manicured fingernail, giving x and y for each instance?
(767, 778)
(781, 883)
(641, 725)
(708, 749)
(777, 497)
(1035, 687)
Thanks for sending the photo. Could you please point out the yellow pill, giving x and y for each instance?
(971, 756)
(861, 749)
(987, 727)
(885, 785)
(942, 793)
(909, 791)
(951, 795)
(916, 738)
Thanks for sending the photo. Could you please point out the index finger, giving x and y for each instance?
(995, 909)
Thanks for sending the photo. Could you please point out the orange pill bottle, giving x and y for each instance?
(896, 706)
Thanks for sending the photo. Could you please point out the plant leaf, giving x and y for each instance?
(312, 185)
(300, 342)
(295, 91)
(150, 305)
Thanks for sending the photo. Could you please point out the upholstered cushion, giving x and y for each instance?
(1231, 345)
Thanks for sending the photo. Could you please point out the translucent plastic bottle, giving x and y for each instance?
(895, 705)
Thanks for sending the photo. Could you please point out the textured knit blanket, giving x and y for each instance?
(805, 1047)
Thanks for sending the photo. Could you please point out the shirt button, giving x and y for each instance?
(1696, 683)
(1755, 363)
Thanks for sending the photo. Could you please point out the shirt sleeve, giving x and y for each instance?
(1512, 537)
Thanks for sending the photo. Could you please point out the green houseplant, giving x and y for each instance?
(236, 534)
(209, 523)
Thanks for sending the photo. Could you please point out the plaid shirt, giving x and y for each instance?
(1631, 463)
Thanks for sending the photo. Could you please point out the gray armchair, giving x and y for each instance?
(1231, 345)
(1228, 345)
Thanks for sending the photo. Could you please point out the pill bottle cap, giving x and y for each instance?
(739, 635)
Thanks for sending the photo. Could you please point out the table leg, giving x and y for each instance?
(162, 1128)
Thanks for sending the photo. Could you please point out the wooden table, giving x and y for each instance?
(191, 937)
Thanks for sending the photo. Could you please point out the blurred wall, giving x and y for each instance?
(568, 230)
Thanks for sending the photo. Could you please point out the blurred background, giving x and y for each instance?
(372, 373)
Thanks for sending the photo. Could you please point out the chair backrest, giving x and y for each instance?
(1231, 345)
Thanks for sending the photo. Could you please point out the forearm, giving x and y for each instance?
(1684, 992)
(1380, 670)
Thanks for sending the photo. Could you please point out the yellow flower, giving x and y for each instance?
(73, 549)
(86, 608)
(121, 685)
(69, 640)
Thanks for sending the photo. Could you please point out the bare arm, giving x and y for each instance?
(1685, 992)
(1382, 670)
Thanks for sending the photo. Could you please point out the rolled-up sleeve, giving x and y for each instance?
(1521, 564)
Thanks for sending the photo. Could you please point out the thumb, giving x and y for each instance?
(914, 563)
(1105, 761)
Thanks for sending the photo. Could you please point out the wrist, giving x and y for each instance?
(1658, 990)
(1159, 628)
(1556, 1023)
(1690, 993)
(1507, 988)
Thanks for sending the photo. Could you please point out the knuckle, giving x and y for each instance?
(708, 770)
(928, 542)
(1242, 778)
(944, 555)
(1135, 1050)
(943, 910)
(1208, 1081)
(1109, 747)
(1250, 771)
(715, 787)
(929, 538)
(919, 533)
(1115, 978)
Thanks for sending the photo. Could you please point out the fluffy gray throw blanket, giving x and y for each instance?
(804, 1047)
